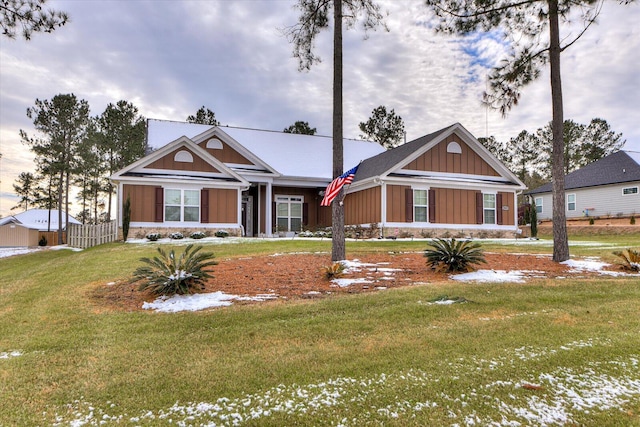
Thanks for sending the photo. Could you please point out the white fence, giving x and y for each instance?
(86, 236)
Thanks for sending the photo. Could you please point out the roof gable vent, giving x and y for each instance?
(214, 143)
(454, 147)
(183, 156)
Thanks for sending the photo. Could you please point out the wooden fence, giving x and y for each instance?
(86, 236)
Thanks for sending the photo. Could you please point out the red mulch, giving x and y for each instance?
(302, 276)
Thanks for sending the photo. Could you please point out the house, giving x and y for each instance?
(606, 187)
(29, 227)
(259, 183)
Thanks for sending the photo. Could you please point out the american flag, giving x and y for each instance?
(334, 187)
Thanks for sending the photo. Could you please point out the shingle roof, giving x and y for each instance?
(616, 168)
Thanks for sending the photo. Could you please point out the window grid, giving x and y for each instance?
(420, 206)
(489, 207)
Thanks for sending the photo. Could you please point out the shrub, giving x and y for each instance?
(168, 275)
(176, 235)
(126, 218)
(42, 241)
(453, 255)
(592, 221)
(198, 235)
(631, 259)
(632, 221)
(153, 236)
(334, 270)
(222, 233)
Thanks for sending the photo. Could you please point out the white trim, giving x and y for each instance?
(183, 225)
(431, 225)
(575, 202)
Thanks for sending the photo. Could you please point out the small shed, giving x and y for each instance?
(28, 227)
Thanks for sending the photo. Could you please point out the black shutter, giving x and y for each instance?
(159, 211)
(305, 214)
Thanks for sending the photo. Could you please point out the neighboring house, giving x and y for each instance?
(28, 227)
(259, 183)
(607, 187)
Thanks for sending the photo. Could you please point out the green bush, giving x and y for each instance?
(176, 236)
(453, 255)
(222, 233)
(153, 236)
(632, 221)
(42, 241)
(170, 275)
(198, 235)
(592, 221)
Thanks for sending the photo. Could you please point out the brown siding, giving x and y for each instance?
(454, 206)
(507, 216)
(167, 162)
(223, 205)
(315, 214)
(438, 160)
(142, 202)
(226, 154)
(396, 203)
(363, 207)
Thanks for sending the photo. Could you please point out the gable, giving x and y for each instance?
(181, 159)
(457, 158)
(224, 152)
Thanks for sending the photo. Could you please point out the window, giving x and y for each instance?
(183, 156)
(571, 202)
(538, 202)
(489, 207)
(420, 205)
(182, 205)
(289, 213)
(629, 191)
(454, 147)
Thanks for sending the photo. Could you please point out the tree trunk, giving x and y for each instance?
(60, 204)
(338, 252)
(560, 239)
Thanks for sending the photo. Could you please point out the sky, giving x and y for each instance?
(170, 57)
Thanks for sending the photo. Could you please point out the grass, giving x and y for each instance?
(388, 358)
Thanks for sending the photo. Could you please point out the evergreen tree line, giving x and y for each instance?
(528, 155)
(76, 150)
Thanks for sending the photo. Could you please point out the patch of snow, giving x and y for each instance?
(9, 354)
(7, 252)
(347, 282)
(491, 276)
(195, 302)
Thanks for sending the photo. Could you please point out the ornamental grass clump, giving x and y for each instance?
(630, 258)
(169, 275)
(451, 255)
(334, 270)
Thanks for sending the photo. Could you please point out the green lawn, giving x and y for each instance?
(546, 352)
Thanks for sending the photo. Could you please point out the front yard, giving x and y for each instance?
(399, 345)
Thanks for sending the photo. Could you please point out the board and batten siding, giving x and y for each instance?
(437, 159)
(363, 207)
(168, 162)
(223, 152)
(602, 201)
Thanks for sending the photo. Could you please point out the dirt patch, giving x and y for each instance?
(298, 276)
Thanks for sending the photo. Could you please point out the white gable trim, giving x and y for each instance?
(139, 166)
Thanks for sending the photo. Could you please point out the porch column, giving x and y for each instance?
(268, 214)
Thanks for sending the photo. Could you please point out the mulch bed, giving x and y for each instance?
(295, 276)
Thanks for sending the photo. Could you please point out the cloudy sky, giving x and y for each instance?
(170, 57)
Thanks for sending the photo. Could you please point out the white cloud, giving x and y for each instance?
(170, 58)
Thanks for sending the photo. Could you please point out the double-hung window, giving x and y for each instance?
(181, 205)
(489, 208)
(420, 206)
(571, 202)
(628, 191)
(538, 202)
(289, 213)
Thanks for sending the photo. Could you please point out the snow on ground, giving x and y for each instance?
(197, 302)
(560, 396)
(10, 354)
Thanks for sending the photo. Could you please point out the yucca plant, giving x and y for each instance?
(630, 258)
(451, 255)
(169, 275)
(334, 270)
